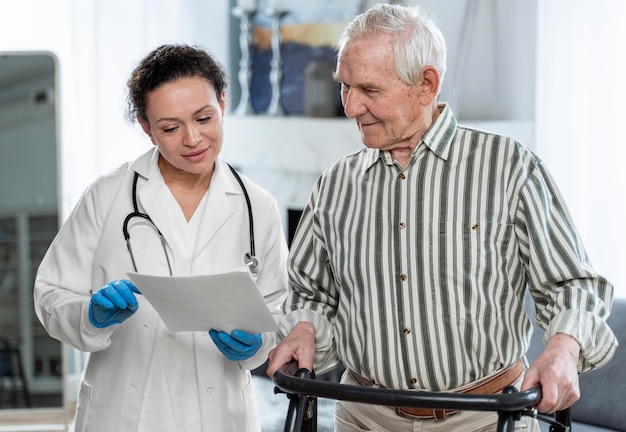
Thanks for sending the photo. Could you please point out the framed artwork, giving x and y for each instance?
(309, 31)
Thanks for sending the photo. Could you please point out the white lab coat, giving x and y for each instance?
(89, 251)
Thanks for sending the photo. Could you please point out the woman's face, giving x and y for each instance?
(185, 122)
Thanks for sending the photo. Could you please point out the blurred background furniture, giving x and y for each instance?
(12, 379)
(600, 407)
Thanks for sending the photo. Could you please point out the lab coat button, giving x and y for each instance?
(210, 391)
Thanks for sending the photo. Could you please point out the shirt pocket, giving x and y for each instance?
(469, 266)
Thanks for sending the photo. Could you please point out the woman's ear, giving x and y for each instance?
(223, 102)
(146, 128)
(429, 84)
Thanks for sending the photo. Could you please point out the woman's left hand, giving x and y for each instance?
(237, 346)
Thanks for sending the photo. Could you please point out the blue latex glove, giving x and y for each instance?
(237, 346)
(113, 303)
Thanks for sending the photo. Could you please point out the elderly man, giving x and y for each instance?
(413, 256)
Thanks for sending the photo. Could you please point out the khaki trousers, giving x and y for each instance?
(353, 417)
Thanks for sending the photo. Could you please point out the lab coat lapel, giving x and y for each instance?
(152, 200)
(218, 208)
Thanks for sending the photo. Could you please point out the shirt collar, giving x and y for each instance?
(438, 138)
(146, 164)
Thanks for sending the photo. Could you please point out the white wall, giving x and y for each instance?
(97, 43)
(491, 57)
(580, 115)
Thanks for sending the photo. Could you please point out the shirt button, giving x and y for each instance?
(403, 277)
(475, 227)
(210, 391)
(407, 331)
(413, 381)
(402, 225)
(402, 176)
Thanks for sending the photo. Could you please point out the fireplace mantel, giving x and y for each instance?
(299, 144)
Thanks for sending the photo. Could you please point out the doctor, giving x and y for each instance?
(140, 376)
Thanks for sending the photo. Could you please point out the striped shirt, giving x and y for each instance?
(415, 277)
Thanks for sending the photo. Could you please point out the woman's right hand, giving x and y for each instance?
(113, 304)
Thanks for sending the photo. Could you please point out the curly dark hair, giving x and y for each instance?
(169, 63)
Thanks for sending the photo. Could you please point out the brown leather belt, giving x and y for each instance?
(491, 385)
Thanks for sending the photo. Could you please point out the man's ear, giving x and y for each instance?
(146, 128)
(429, 84)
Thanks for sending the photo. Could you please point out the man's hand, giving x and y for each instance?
(299, 345)
(556, 370)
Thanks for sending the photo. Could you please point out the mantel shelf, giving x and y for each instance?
(298, 144)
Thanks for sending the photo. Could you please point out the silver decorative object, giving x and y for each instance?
(276, 106)
(320, 90)
(245, 74)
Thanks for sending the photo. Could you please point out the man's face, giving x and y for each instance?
(390, 113)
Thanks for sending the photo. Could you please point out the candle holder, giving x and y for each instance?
(276, 106)
(245, 63)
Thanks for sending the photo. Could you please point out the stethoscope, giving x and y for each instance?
(250, 259)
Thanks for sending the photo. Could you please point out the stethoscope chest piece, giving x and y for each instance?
(252, 263)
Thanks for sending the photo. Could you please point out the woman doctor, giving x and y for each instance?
(140, 376)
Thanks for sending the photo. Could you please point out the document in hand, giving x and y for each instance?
(225, 302)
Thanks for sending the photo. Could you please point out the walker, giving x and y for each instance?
(303, 390)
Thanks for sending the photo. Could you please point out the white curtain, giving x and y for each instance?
(581, 113)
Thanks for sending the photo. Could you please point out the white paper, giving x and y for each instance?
(225, 302)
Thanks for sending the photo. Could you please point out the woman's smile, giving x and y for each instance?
(196, 156)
